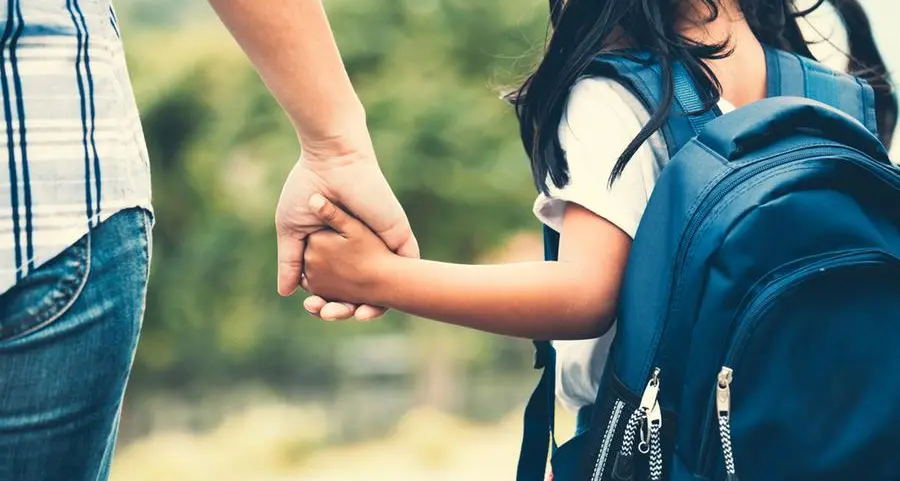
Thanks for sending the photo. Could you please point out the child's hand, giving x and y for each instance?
(343, 263)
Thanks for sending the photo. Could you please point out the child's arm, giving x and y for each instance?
(574, 298)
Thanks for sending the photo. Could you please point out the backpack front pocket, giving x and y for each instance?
(787, 388)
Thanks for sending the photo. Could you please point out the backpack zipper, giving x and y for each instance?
(723, 408)
(755, 309)
(648, 414)
(603, 454)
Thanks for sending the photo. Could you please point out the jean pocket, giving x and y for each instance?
(44, 295)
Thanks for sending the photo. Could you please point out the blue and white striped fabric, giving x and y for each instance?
(72, 152)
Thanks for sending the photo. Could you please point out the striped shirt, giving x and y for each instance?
(72, 152)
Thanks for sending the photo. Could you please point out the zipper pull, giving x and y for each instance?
(723, 392)
(654, 423)
(648, 404)
(654, 418)
(723, 407)
(623, 466)
(651, 392)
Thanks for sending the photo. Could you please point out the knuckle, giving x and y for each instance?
(329, 212)
(316, 242)
(290, 263)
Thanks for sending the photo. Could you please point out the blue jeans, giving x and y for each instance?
(68, 333)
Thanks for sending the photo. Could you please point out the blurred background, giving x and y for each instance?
(232, 382)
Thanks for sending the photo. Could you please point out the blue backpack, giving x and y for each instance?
(760, 314)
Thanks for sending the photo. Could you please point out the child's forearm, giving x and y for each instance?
(537, 300)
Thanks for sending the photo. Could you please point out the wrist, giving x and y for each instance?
(346, 135)
(384, 281)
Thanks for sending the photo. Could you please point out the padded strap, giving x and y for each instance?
(539, 418)
(788, 75)
(794, 76)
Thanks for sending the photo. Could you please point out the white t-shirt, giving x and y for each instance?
(601, 119)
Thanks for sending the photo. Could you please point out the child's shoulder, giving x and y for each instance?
(595, 89)
(602, 106)
(599, 124)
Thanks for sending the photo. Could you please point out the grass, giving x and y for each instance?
(286, 443)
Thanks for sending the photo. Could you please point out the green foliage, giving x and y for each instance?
(429, 72)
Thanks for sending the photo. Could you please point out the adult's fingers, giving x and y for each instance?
(290, 262)
(314, 305)
(368, 313)
(337, 311)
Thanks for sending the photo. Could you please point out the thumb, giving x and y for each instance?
(332, 215)
(400, 238)
(409, 247)
(290, 262)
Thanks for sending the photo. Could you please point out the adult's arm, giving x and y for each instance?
(291, 45)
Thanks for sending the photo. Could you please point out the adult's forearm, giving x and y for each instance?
(292, 47)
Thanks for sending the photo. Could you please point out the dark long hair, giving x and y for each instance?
(581, 29)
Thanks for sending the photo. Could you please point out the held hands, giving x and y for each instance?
(347, 261)
(348, 174)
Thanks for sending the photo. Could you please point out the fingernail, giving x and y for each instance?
(316, 201)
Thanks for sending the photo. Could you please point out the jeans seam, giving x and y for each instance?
(146, 221)
(57, 308)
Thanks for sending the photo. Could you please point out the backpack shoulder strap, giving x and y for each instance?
(642, 76)
(788, 74)
(795, 76)
(540, 412)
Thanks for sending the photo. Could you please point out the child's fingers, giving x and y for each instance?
(369, 313)
(333, 216)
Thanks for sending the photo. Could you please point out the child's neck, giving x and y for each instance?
(742, 74)
(728, 24)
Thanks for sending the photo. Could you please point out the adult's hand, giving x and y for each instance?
(351, 178)
(292, 47)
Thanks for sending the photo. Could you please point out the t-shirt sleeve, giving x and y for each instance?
(597, 126)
